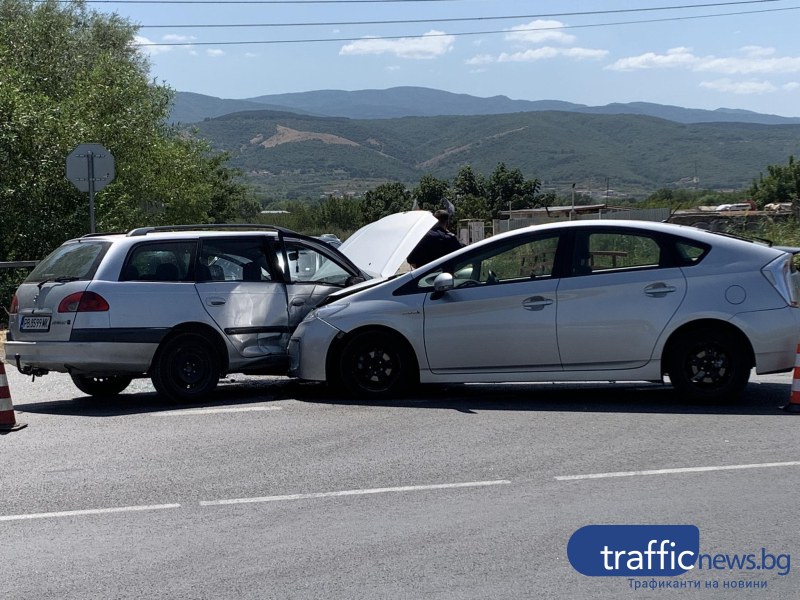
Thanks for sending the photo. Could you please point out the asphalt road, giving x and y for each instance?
(281, 490)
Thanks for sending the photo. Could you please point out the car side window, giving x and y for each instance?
(597, 252)
(690, 253)
(514, 261)
(310, 265)
(159, 261)
(232, 259)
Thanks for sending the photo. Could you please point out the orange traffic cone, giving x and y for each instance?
(7, 420)
(794, 399)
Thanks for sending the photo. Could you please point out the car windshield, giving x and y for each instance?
(76, 260)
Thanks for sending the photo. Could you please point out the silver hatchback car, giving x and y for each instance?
(183, 305)
(577, 301)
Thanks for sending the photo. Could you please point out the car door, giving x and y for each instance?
(312, 271)
(622, 293)
(501, 314)
(238, 286)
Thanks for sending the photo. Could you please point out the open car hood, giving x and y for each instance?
(380, 248)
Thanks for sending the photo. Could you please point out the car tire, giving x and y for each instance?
(186, 368)
(110, 385)
(708, 364)
(376, 364)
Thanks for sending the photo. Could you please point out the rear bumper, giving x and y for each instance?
(82, 357)
(774, 335)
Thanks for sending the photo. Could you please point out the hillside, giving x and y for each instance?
(290, 155)
(425, 102)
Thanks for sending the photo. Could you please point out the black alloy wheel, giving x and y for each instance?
(186, 368)
(376, 364)
(709, 364)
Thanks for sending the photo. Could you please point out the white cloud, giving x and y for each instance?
(675, 57)
(430, 45)
(480, 59)
(152, 47)
(546, 52)
(174, 38)
(540, 31)
(756, 60)
(756, 51)
(532, 38)
(215, 52)
(791, 86)
(739, 87)
(148, 46)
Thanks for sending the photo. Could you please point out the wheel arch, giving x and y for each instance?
(715, 324)
(340, 341)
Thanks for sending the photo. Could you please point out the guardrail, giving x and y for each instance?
(19, 264)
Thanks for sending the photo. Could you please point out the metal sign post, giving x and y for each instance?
(90, 167)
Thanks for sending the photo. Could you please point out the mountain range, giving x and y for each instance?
(295, 151)
(425, 102)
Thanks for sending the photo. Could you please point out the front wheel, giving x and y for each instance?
(186, 368)
(709, 364)
(376, 364)
(110, 385)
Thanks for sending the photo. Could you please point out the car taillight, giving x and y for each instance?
(779, 274)
(14, 308)
(83, 302)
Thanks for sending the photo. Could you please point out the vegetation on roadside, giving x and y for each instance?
(70, 75)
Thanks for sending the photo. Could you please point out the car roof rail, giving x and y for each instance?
(101, 234)
(139, 231)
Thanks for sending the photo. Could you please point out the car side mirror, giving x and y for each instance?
(443, 282)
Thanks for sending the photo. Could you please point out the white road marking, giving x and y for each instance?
(91, 511)
(364, 492)
(677, 471)
(213, 411)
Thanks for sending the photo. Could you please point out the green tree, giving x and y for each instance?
(468, 183)
(508, 189)
(780, 184)
(384, 200)
(431, 193)
(69, 75)
(341, 214)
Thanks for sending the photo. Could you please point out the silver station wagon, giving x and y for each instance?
(580, 301)
(186, 305)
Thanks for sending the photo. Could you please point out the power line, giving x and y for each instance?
(468, 33)
(262, 1)
(459, 19)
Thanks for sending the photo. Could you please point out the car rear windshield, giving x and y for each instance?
(74, 260)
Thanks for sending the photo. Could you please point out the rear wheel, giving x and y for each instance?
(376, 364)
(709, 364)
(186, 368)
(110, 385)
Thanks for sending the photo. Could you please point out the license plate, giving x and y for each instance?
(35, 324)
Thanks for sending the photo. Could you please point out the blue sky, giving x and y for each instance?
(704, 54)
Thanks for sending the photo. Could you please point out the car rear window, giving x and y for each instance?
(74, 260)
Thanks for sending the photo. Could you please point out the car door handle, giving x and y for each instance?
(536, 303)
(659, 290)
(215, 301)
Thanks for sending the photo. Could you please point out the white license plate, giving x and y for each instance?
(35, 324)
